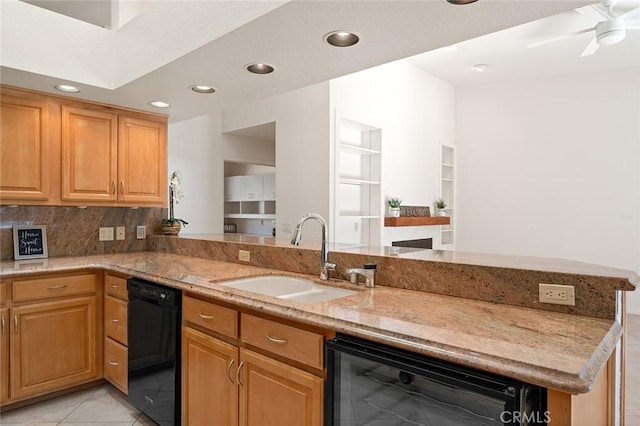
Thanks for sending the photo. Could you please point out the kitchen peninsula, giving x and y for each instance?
(414, 306)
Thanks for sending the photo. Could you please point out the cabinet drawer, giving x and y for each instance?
(115, 319)
(116, 364)
(290, 342)
(48, 288)
(116, 286)
(4, 293)
(208, 315)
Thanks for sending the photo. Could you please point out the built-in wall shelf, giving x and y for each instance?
(417, 220)
(348, 181)
(358, 149)
(249, 216)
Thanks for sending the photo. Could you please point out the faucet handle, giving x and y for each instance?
(326, 269)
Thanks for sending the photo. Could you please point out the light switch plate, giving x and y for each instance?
(244, 255)
(106, 233)
(120, 233)
(141, 232)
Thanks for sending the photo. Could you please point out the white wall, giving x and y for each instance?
(302, 152)
(416, 114)
(550, 167)
(192, 150)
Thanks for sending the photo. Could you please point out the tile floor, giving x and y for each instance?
(105, 405)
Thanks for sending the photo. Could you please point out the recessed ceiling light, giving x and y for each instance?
(159, 104)
(342, 38)
(66, 88)
(481, 67)
(458, 2)
(203, 89)
(260, 68)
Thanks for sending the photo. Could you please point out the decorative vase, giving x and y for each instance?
(171, 228)
(442, 212)
(394, 211)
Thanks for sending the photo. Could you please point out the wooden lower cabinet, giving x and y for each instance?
(273, 393)
(223, 385)
(53, 345)
(4, 355)
(209, 388)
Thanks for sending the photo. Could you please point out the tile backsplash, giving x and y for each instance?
(73, 231)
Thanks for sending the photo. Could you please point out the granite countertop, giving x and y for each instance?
(556, 350)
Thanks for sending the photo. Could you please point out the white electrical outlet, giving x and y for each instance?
(106, 233)
(557, 294)
(141, 232)
(244, 255)
(120, 233)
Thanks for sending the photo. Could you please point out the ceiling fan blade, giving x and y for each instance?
(591, 48)
(595, 13)
(630, 13)
(558, 38)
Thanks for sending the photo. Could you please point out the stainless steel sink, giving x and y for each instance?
(289, 288)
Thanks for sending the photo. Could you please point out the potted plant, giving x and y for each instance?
(173, 225)
(394, 206)
(441, 205)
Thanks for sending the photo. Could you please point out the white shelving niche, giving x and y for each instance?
(447, 174)
(250, 197)
(357, 206)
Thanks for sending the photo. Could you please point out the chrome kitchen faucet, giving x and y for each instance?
(325, 267)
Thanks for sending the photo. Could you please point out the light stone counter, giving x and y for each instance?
(551, 349)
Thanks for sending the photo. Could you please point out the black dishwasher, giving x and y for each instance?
(377, 385)
(154, 350)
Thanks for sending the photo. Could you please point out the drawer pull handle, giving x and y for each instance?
(238, 374)
(56, 287)
(15, 324)
(116, 320)
(278, 341)
(121, 187)
(114, 286)
(229, 370)
(114, 363)
(207, 317)
(3, 326)
(113, 187)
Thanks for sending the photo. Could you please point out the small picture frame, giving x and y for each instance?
(30, 242)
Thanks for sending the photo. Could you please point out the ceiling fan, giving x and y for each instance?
(609, 29)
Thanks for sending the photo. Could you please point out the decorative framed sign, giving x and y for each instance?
(30, 242)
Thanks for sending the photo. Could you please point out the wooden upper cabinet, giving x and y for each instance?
(142, 161)
(89, 155)
(25, 138)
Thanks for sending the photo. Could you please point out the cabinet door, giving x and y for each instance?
(209, 389)
(4, 355)
(25, 139)
(232, 188)
(142, 162)
(269, 191)
(89, 155)
(53, 346)
(275, 394)
(252, 187)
